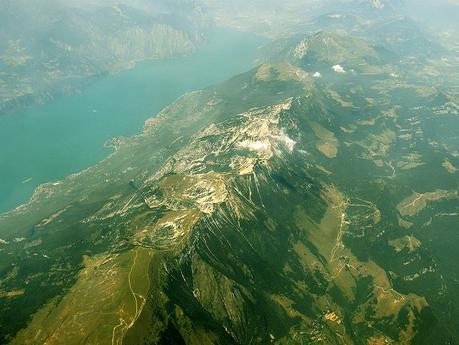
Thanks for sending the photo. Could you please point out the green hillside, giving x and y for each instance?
(280, 207)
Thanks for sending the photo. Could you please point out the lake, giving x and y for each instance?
(48, 142)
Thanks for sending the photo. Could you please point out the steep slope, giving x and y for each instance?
(59, 47)
(280, 207)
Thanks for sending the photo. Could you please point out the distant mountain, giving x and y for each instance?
(325, 50)
(390, 30)
(386, 4)
(54, 47)
(271, 18)
(366, 5)
(313, 199)
(404, 36)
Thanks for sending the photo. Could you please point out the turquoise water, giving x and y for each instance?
(46, 143)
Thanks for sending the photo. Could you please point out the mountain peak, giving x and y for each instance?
(325, 48)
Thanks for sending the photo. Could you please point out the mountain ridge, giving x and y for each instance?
(279, 207)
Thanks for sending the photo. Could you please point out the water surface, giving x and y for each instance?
(48, 142)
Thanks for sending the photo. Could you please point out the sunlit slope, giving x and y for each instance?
(297, 203)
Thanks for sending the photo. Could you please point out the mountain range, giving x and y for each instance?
(52, 48)
(311, 200)
(61, 47)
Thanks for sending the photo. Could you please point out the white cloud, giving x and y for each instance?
(317, 75)
(338, 69)
(256, 145)
(286, 141)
